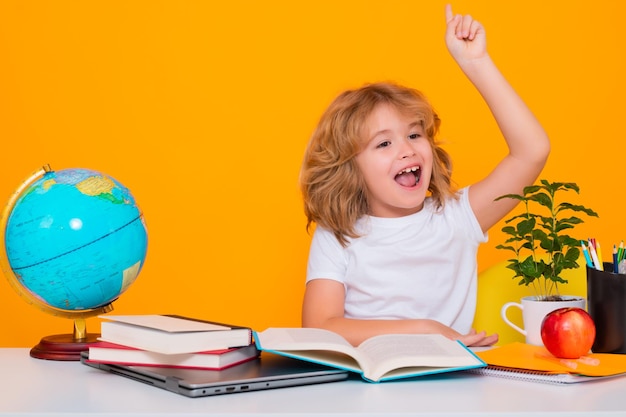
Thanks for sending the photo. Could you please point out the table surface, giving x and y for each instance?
(35, 387)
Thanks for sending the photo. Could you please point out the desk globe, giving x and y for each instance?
(73, 241)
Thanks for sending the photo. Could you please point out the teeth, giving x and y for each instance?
(408, 170)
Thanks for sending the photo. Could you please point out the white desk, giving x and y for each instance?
(34, 387)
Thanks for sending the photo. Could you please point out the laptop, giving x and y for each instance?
(266, 372)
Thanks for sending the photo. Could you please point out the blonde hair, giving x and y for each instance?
(334, 193)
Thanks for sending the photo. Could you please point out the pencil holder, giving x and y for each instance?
(606, 304)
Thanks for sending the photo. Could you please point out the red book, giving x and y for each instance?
(105, 352)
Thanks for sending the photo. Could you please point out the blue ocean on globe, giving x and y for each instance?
(76, 239)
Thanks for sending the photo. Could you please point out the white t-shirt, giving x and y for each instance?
(419, 266)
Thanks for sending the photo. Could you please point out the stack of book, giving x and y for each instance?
(172, 341)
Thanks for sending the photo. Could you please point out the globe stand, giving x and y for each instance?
(62, 347)
(65, 347)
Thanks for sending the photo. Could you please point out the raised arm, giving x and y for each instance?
(526, 139)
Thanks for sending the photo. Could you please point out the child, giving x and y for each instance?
(395, 246)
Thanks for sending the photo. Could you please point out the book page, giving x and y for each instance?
(389, 352)
(327, 357)
(308, 342)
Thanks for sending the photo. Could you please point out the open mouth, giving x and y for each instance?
(408, 177)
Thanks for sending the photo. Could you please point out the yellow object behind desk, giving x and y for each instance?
(496, 287)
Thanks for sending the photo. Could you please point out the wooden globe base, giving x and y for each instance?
(62, 347)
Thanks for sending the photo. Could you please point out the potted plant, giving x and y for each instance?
(539, 238)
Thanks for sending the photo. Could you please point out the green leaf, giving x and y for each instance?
(570, 220)
(572, 255)
(530, 268)
(570, 241)
(503, 247)
(564, 226)
(531, 189)
(571, 186)
(579, 208)
(525, 226)
(543, 199)
(512, 196)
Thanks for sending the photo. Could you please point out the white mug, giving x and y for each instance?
(533, 312)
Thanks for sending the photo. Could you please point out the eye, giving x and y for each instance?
(415, 135)
(383, 144)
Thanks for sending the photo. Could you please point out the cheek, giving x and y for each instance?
(368, 165)
(427, 154)
(362, 169)
(372, 173)
(426, 148)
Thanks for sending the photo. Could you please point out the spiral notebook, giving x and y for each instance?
(534, 363)
(536, 376)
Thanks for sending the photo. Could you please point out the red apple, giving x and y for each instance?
(568, 332)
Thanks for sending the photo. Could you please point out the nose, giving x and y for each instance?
(406, 151)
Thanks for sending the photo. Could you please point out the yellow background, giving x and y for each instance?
(203, 109)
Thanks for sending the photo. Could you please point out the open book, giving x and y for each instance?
(380, 358)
